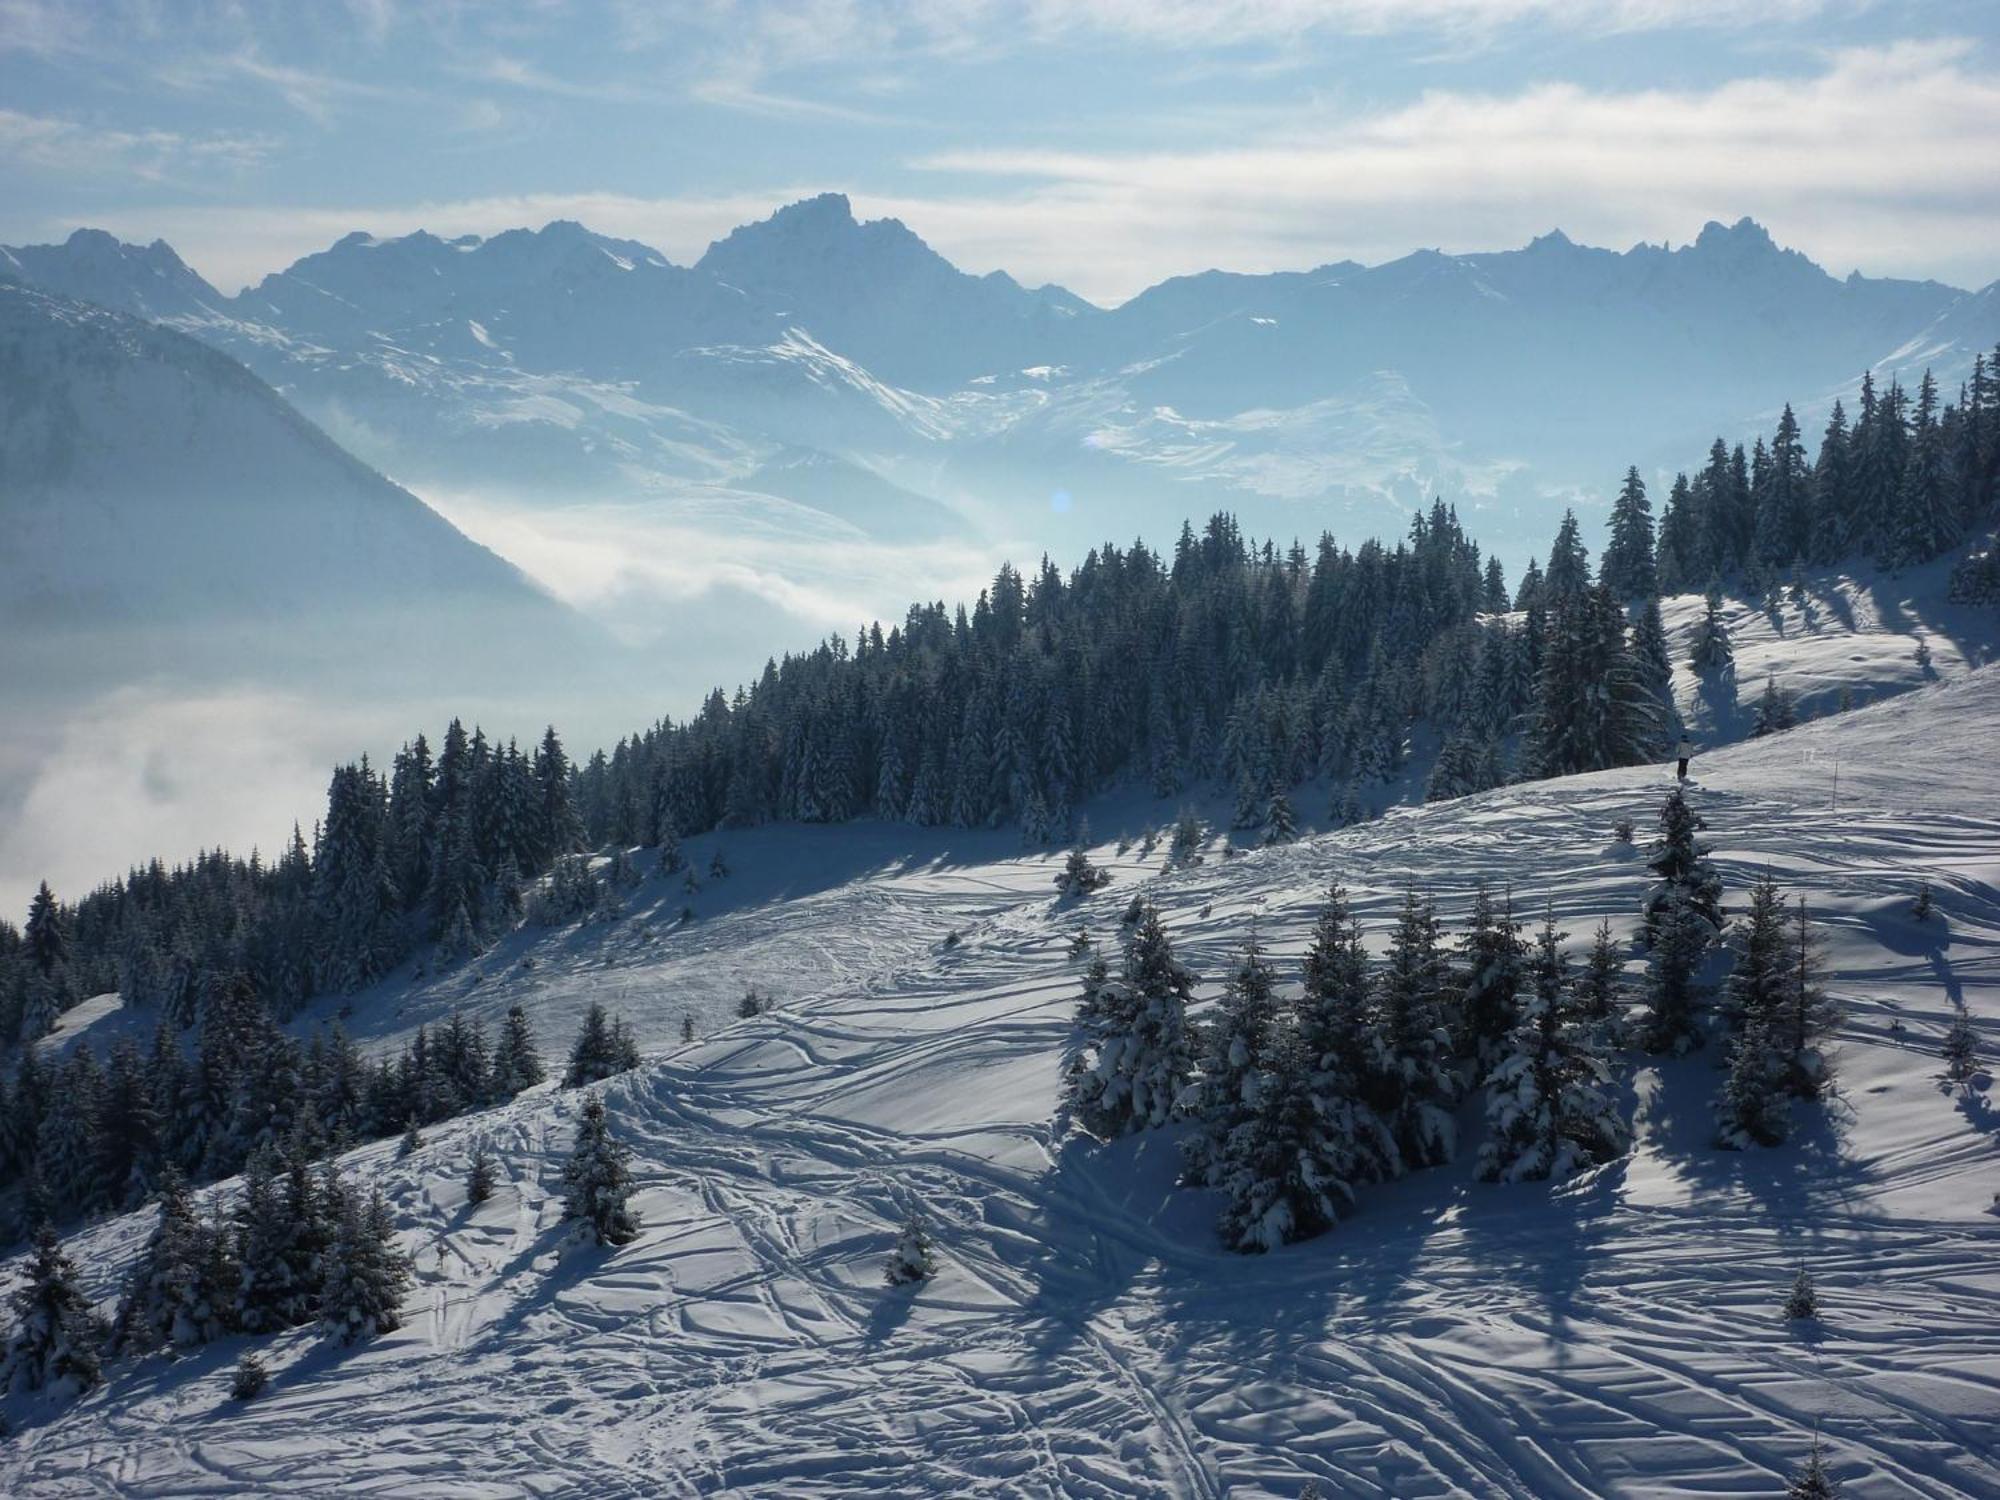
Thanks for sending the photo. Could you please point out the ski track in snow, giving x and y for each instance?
(1617, 1335)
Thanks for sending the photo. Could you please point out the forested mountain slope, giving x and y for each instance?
(1621, 1334)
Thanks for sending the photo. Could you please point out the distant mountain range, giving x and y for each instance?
(848, 367)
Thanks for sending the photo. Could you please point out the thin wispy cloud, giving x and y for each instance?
(1207, 23)
(42, 28)
(46, 143)
(311, 93)
(1884, 159)
(736, 94)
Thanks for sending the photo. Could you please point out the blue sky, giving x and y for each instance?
(1100, 143)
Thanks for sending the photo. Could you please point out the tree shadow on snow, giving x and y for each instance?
(1110, 1210)
(1723, 717)
(575, 1262)
(1888, 594)
(891, 1311)
(1796, 1186)
(1974, 1105)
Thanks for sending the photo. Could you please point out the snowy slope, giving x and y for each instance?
(1617, 1336)
(1852, 633)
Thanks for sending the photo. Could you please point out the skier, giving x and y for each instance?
(1684, 752)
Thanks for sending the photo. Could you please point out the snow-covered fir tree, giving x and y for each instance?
(481, 1175)
(517, 1059)
(1142, 1049)
(1673, 991)
(1491, 956)
(1281, 825)
(364, 1277)
(1236, 1064)
(1651, 659)
(1286, 1168)
(1592, 709)
(1627, 566)
(1549, 1109)
(1568, 575)
(1802, 1301)
(183, 1290)
(914, 1255)
(282, 1225)
(1710, 650)
(1813, 1480)
(1085, 1041)
(603, 1047)
(1412, 1082)
(1600, 987)
(128, 1129)
(1687, 879)
(1456, 772)
(597, 1181)
(1753, 1108)
(671, 860)
(250, 1377)
(66, 1141)
(1774, 710)
(572, 891)
(1336, 1026)
(1806, 1015)
(1758, 956)
(1960, 1048)
(46, 934)
(354, 891)
(1782, 1017)
(1683, 916)
(56, 1332)
(1186, 846)
(1079, 876)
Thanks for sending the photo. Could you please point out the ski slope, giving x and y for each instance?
(1617, 1336)
(1849, 632)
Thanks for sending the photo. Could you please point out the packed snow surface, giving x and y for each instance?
(1085, 1335)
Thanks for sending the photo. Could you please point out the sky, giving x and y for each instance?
(1101, 144)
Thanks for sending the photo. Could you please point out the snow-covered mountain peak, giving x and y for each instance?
(1745, 249)
(816, 245)
(1746, 235)
(149, 281)
(374, 337)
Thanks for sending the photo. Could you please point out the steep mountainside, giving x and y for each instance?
(147, 479)
(880, 295)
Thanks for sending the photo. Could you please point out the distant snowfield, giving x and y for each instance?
(1620, 1335)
